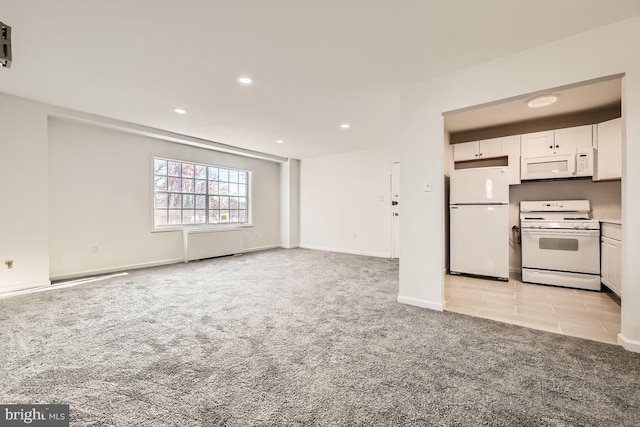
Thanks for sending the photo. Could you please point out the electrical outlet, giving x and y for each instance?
(257, 236)
(9, 264)
(95, 249)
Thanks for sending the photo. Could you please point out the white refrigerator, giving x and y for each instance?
(479, 222)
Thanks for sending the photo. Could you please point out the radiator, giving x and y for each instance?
(200, 244)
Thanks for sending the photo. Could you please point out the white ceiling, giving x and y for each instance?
(315, 64)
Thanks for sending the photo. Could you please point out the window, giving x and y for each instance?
(197, 194)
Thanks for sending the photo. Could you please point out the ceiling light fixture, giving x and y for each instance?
(345, 126)
(279, 141)
(246, 81)
(180, 111)
(542, 101)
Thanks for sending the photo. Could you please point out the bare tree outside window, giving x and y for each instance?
(187, 193)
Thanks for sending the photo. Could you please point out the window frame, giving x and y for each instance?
(207, 225)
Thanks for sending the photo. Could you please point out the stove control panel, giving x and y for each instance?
(548, 205)
(555, 206)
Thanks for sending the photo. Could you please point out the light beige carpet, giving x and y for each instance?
(296, 337)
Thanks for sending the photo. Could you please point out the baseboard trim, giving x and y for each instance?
(87, 273)
(24, 286)
(421, 303)
(289, 246)
(345, 251)
(515, 270)
(261, 248)
(629, 344)
(61, 285)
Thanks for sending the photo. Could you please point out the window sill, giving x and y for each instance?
(203, 228)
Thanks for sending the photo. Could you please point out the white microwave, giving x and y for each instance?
(572, 165)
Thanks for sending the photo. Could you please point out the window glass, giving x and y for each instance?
(192, 193)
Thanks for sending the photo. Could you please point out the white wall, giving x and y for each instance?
(345, 202)
(602, 52)
(24, 212)
(100, 186)
(290, 203)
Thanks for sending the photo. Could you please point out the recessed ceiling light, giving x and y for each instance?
(180, 111)
(245, 80)
(542, 101)
(279, 141)
(345, 126)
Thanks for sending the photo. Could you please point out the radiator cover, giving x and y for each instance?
(201, 244)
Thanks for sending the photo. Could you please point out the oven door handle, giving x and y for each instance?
(556, 232)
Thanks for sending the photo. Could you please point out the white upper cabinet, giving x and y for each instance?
(609, 150)
(537, 144)
(508, 146)
(477, 150)
(568, 139)
(466, 151)
(486, 149)
(492, 147)
(560, 141)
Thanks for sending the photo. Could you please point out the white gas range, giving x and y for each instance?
(560, 244)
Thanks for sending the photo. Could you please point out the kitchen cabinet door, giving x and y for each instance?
(567, 140)
(611, 264)
(609, 150)
(615, 266)
(510, 146)
(466, 151)
(490, 148)
(537, 144)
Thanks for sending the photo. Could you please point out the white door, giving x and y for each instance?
(395, 210)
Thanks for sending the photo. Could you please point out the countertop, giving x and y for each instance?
(610, 221)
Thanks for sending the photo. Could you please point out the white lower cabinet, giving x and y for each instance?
(611, 257)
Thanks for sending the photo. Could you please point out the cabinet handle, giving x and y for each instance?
(557, 146)
(480, 154)
(476, 154)
(551, 146)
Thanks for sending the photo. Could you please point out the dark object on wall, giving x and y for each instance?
(515, 235)
(5, 44)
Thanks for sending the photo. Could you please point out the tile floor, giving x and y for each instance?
(579, 313)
